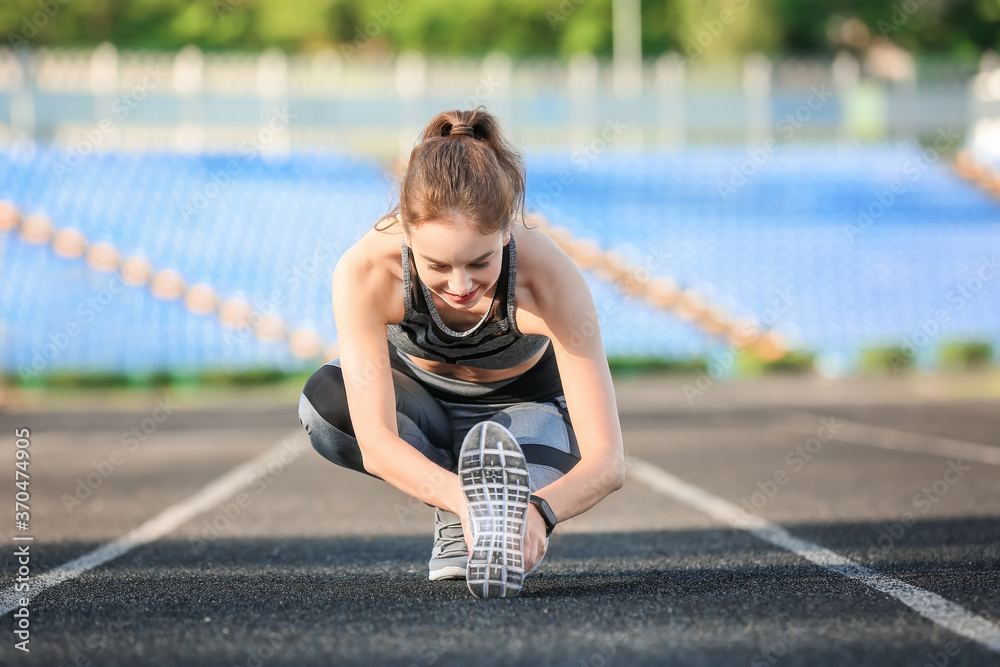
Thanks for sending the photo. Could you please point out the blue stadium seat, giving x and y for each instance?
(865, 265)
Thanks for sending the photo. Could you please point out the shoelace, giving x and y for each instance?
(452, 541)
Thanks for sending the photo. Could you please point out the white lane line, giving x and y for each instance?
(166, 521)
(902, 441)
(929, 605)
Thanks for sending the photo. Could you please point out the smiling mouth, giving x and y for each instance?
(462, 297)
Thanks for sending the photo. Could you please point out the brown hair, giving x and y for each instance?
(462, 164)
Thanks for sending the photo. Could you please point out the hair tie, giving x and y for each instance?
(462, 128)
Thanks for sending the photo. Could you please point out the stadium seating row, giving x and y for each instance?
(837, 247)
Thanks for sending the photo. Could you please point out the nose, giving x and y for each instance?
(460, 284)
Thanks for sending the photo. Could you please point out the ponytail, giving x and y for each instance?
(463, 164)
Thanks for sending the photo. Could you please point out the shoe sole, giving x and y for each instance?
(494, 477)
(447, 572)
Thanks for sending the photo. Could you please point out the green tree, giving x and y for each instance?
(715, 29)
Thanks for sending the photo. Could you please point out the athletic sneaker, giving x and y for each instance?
(494, 476)
(449, 555)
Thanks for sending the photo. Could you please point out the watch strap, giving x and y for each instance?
(548, 516)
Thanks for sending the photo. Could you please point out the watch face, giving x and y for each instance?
(547, 515)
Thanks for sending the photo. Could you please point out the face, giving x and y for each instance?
(456, 262)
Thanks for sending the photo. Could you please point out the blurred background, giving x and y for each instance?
(750, 186)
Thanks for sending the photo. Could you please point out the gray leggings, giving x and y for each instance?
(434, 413)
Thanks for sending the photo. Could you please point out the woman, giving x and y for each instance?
(459, 329)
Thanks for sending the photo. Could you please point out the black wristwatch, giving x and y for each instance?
(547, 514)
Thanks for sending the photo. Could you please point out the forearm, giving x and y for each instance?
(397, 462)
(585, 485)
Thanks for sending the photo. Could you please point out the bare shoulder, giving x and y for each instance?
(371, 269)
(546, 276)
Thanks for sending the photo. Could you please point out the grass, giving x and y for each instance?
(952, 356)
(949, 356)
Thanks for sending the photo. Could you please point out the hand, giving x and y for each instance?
(534, 543)
(460, 506)
(534, 539)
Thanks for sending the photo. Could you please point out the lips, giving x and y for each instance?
(462, 299)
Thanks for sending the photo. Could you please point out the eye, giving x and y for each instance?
(439, 267)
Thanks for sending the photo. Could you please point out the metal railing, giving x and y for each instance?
(92, 100)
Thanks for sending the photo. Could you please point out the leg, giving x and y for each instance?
(546, 436)
(324, 413)
(543, 430)
(421, 421)
(497, 482)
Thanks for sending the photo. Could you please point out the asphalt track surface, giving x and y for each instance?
(319, 565)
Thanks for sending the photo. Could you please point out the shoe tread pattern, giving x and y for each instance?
(494, 477)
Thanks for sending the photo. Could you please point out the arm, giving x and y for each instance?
(566, 307)
(360, 293)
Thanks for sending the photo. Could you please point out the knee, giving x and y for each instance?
(330, 442)
(325, 398)
(324, 414)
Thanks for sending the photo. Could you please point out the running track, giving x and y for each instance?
(877, 542)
